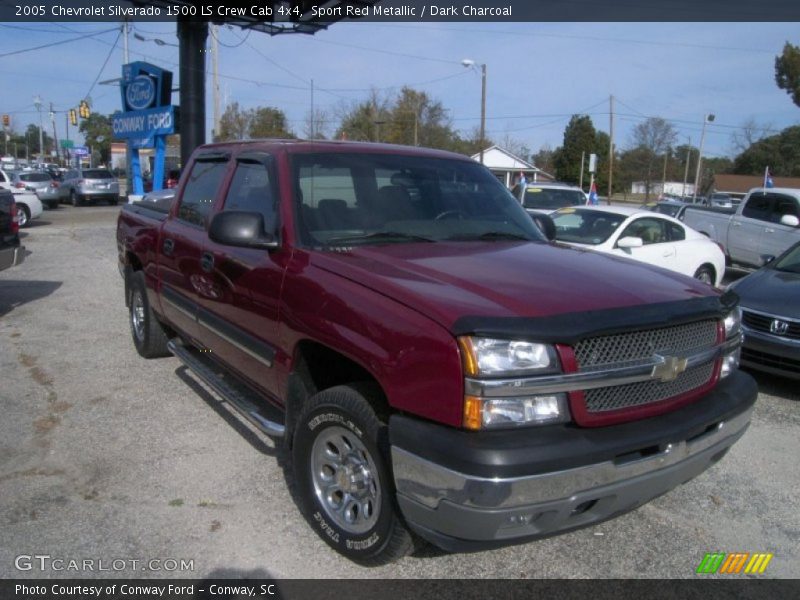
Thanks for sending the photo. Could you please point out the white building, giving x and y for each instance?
(673, 188)
(507, 167)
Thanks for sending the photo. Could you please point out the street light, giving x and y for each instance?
(708, 119)
(468, 63)
(37, 102)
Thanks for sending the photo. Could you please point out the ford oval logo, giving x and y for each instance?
(140, 93)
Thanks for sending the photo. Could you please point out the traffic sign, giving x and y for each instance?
(66, 144)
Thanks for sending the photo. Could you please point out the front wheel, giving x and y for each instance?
(23, 216)
(340, 458)
(148, 334)
(705, 274)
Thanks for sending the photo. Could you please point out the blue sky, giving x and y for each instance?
(538, 73)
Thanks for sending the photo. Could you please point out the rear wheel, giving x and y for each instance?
(23, 216)
(340, 458)
(705, 274)
(148, 334)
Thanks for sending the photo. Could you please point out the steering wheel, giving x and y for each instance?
(449, 214)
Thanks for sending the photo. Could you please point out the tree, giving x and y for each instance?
(543, 159)
(97, 132)
(516, 147)
(580, 138)
(780, 152)
(362, 121)
(750, 132)
(787, 71)
(316, 125)
(234, 124)
(654, 137)
(268, 122)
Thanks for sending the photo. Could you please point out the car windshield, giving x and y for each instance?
(552, 198)
(97, 174)
(34, 177)
(667, 209)
(585, 226)
(789, 262)
(361, 198)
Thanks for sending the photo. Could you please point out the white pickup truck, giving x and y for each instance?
(765, 224)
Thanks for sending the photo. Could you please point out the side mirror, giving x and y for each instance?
(630, 242)
(240, 228)
(766, 259)
(790, 221)
(546, 225)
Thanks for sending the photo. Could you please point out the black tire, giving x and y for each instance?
(147, 333)
(74, 198)
(113, 201)
(705, 274)
(339, 434)
(23, 216)
(52, 205)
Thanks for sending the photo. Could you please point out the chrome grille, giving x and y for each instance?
(646, 392)
(634, 347)
(761, 322)
(625, 348)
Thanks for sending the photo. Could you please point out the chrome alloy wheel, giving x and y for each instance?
(138, 315)
(345, 480)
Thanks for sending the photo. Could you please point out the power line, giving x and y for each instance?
(83, 37)
(105, 62)
(389, 52)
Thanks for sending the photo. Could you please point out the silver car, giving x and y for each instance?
(89, 185)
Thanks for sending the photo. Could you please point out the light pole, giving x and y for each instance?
(37, 102)
(708, 119)
(471, 63)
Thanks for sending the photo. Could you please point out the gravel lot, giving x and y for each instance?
(104, 455)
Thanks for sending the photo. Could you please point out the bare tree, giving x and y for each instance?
(316, 126)
(653, 137)
(749, 133)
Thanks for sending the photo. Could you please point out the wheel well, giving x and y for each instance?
(132, 264)
(317, 368)
(25, 207)
(710, 267)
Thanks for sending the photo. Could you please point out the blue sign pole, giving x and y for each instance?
(136, 169)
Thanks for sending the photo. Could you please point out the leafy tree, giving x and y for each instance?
(362, 122)
(780, 152)
(787, 71)
(234, 124)
(580, 138)
(98, 134)
(268, 122)
(654, 137)
(543, 159)
(237, 123)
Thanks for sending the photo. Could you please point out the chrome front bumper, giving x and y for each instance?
(452, 509)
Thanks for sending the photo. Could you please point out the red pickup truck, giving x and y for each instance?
(435, 365)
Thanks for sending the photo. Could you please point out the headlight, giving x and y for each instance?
(733, 323)
(496, 413)
(488, 357)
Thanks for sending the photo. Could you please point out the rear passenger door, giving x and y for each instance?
(241, 310)
(745, 231)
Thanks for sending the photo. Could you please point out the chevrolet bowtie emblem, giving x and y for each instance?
(670, 368)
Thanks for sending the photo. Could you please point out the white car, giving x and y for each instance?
(544, 198)
(29, 206)
(642, 235)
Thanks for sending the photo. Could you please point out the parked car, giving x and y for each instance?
(11, 252)
(50, 196)
(7, 178)
(429, 360)
(642, 235)
(767, 222)
(29, 207)
(770, 303)
(89, 185)
(547, 197)
(720, 200)
(31, 181)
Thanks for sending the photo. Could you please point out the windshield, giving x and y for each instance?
(667, 209)
(359, 199)
(97, 174)
(585, 226)
(550, 198)
(34, 177)
(789, 262)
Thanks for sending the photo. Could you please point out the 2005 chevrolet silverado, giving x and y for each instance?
(436, 367)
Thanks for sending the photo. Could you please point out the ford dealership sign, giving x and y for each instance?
(140, 93)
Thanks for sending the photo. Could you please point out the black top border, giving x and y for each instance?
(320, 13)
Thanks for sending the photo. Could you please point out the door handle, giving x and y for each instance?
(207, 262)
(168, 246)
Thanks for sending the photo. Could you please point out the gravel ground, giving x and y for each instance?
(104, 455)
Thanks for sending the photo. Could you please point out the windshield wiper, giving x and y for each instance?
(381, 236)
(492, 235)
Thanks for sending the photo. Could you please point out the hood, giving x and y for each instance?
(451, 280)
(771, 291)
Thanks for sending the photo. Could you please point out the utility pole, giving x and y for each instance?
(610, 145)
(215, 79)
(313, 132)
(483, 107)
(706, 119)
(686, 168)
(583, 156)
(664, 174)
(37, 102)
(55, 135)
